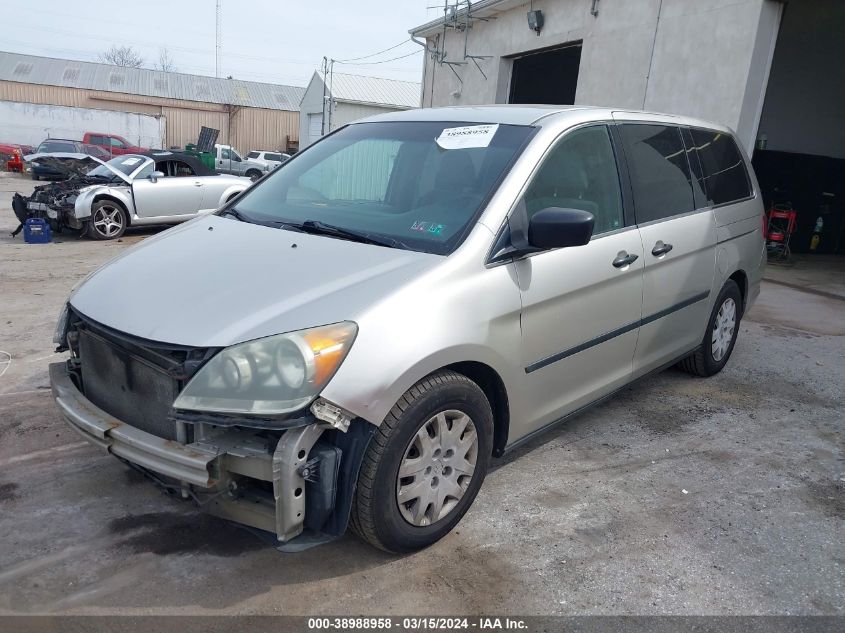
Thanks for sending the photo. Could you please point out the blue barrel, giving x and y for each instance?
(37, 231)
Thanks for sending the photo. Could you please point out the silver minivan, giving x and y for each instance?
(352, 340)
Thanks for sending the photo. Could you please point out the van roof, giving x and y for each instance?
(512, 114)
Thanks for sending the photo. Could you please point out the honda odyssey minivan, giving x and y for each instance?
(350, 341)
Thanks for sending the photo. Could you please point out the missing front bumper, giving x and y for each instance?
(213, 465)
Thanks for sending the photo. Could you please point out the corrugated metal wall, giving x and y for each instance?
(247, 128)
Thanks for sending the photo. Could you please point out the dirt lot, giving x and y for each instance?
(682, 495)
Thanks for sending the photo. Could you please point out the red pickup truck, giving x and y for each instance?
(112, 143)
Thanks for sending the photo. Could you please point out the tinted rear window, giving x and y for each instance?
(725, 176)
(275, 157)
(253, 155)
(57, 146)
(660, 176)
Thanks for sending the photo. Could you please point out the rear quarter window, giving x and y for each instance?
(660, 174)
(725, 175)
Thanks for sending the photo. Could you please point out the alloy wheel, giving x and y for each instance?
(108, 221)
(437, 467)
(723, 329)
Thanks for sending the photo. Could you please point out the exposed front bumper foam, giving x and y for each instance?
(212, 464)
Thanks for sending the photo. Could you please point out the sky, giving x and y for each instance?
(275, 41)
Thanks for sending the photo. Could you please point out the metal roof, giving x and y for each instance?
(31, 69)
(374, 90)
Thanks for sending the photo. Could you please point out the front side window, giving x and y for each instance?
(580, 173)
(254, 155)
(725, 176)
(274, 157)
(116, 142)
(660, 175)
(174, 168)
(418, 183)
(225, 154)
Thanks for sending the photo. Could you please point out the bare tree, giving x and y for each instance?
(122, 56)
(165, 61)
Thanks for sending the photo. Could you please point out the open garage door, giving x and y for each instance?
(546, 76)
(800, 151)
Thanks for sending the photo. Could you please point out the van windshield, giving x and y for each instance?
(415, 185)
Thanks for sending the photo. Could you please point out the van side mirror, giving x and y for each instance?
(554, 227)
(156, 175)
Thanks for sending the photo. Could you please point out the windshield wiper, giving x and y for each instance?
(240, 217)
(321, 228)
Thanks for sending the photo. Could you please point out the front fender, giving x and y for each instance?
(230, 191)
(85, 200)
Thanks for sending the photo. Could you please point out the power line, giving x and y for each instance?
(382, 61)
(355, 59)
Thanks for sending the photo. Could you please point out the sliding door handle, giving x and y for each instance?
(660, 249)
(624, 259)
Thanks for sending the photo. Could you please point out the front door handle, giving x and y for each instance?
(660, 249)
(624, 259)
(197, 184)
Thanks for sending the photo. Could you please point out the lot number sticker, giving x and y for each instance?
(467, 136)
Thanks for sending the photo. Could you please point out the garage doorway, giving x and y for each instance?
(799, 156)
(546, 76)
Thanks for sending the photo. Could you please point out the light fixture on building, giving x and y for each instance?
(535, 21)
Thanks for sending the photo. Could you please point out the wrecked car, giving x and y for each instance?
(352, 340)
(101, 199)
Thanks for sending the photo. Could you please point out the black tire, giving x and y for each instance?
(703, 362)
(253, 174)
(376, 516)
(35, 176)
(116, 212)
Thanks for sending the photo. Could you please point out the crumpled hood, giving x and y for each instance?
(216, 281)
(70, 163)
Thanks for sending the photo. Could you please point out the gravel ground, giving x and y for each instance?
(678, 496)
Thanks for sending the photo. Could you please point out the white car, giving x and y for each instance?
(273, 159)
(103, 198)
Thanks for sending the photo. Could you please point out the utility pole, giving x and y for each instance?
(218, 44)
(325, 81)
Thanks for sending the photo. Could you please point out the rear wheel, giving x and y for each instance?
(425, 464)
(108, 220)
(720, 337)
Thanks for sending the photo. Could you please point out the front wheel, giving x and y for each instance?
(720, 337)
(108, 220)
(253, 175)
(424, 465)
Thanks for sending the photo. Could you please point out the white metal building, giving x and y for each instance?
(341, 99)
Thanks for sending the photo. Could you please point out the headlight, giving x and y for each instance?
(35, 163)
(272, 375)
(61, 327)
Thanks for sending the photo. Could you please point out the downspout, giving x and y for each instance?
(424, 44)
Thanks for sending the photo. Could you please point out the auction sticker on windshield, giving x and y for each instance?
(130, 161)
(467, 136)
